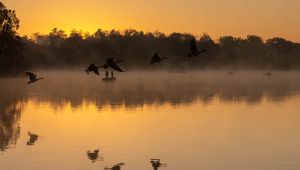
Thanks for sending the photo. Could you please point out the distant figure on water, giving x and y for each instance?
(157, 59)
(107, 78)
(32, 138)
(194, 52)
(111, 63)
(231, 73)
(93, 156)
(92, 68)
(156, 164)
(112, 74)
(268, 74)
(106, 73)
(115, 167)
(32, 77)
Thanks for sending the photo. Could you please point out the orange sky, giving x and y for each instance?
(267, 18)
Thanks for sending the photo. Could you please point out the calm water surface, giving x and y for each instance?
(200, 120)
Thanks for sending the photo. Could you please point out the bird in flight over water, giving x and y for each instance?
(194, 52)
(33, 77)
(156, 58)
(111, 63)
(92, 68)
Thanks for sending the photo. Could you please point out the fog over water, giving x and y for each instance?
(218, 120)
(140, 88)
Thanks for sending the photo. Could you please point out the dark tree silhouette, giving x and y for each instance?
(135, 48)
(10, 43)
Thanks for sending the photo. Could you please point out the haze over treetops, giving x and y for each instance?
(267, 18)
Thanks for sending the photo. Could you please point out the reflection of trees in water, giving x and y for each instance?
(139, 89)
(136, 90)
(10, 113)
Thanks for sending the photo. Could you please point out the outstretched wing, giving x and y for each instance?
(96, 71)
(194, 49)
(116, 67)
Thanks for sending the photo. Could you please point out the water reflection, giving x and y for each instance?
(115, 167)
(32, 138)
(10, 113)
(139, 89)
(157, 164)
(94, 156)
(136, 90)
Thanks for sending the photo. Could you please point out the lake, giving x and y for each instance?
(196, 120)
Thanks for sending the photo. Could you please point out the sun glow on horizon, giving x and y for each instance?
(267, 18)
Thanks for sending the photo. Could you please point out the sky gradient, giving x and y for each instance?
(266, 18)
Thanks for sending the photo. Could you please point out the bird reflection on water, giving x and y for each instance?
(32, 138)
(138, 90)
(157, 164)
(94, 156)
(115, 167)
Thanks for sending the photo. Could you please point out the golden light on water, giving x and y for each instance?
(143, 117)
(217, 134)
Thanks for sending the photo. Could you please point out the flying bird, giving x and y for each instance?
(111, 63)
(194, 52)
(156, 58)
(92, 68)
(32, 77)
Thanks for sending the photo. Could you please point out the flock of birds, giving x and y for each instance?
(94, 156)
(113, 64)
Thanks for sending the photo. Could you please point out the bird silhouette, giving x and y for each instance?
(92, 68)
(156, 58)
(32, 77)
(268, 74)
(32, 138)
(111, 63)
(194, 52)
(156, 164)
(93, 156)
(115, 167)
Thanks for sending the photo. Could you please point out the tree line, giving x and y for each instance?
(59, 50)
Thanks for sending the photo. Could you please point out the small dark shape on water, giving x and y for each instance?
(116, 167)
(32, 138)
(156, 164)
(93, 156)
